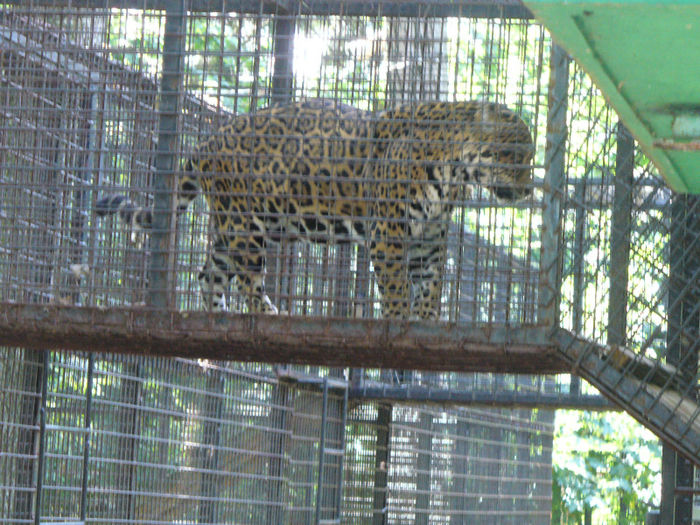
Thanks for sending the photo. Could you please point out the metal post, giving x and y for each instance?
(31, 379)
(381, 464)
(321, 452)
(283, 72)
(161, 264)
(42, 437)
(579, 247)
(280, 421)
(423, 465)
(209, 459)
(544, 441)
(86, 447)
(550, 274)
(128, 430)
(459, 484)
(343, 430)
(620, 237)
(522, 452)
(682, 344)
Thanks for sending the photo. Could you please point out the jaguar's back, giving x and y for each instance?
(295, 168)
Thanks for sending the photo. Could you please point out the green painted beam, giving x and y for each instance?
(644, 55)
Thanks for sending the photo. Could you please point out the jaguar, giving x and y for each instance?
(325, 172)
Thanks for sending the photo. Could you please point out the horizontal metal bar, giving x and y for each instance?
(287, 374)
(687, 490)
(369, 343)
(422, 394)
(420, 8)
(692, 145)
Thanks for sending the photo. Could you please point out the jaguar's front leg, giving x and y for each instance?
(388, 255)
(426, 261)
(213, 282)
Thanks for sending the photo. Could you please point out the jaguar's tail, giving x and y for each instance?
(140, 218)
(136, 217)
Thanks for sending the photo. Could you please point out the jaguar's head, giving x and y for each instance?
(501, 157)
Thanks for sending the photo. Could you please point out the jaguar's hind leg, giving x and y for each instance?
(214, 279)
(247, 256)
(249, 273)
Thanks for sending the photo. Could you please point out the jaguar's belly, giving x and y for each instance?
(321, 229)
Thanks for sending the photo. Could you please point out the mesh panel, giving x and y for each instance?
(207, 442)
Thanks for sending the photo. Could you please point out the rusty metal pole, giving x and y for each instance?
(554, 186)
(620, 235)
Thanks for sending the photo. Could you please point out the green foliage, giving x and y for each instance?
(601, 460)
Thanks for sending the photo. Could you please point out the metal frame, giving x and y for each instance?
(341, 342)
(427, 8)
(512, 399)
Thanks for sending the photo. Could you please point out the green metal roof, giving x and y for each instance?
(645, 58)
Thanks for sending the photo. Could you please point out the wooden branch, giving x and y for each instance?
(324, 341)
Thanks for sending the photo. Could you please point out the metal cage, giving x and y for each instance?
(594, 270)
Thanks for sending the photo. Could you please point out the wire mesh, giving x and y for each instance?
(208, 442)
(454, 466)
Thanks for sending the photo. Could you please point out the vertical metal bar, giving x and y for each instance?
(579, 247)
(621, 227)
(283, 71)
(381, 464)
(88, 434)
(668, 484)
(321, 452)
(423, 465)
(459, 473)
(523, 451)
(669, 460)
(42, 438)
(544, 442)
(341, 458)
(495, 449)
(209, 460)
(681, 341)
(128, 429)
(31, 378)
(282, 91)
(161, 264)
(280, 422)
(550, 274)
